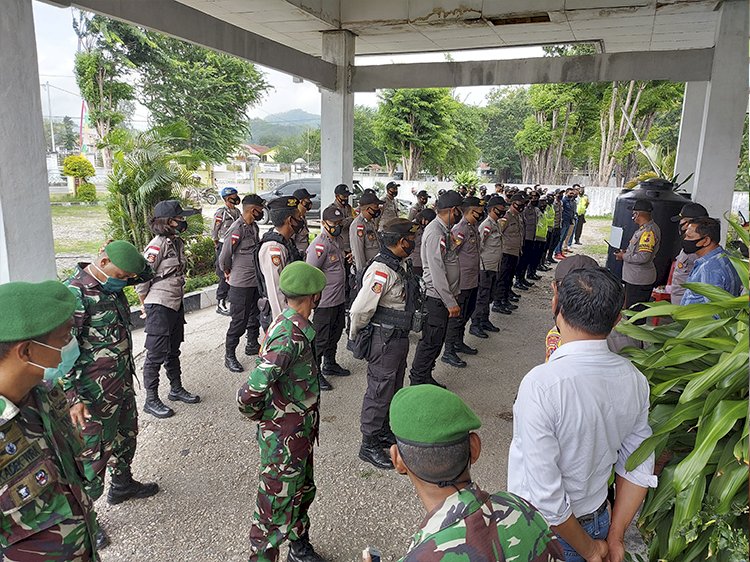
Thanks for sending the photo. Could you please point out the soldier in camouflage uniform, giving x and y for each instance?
(435, 446)
(47, 514)
(100, 386)
(282, 394)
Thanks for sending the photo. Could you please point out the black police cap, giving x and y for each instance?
(495, 200)
(332, 214)
(284, 203)
(302, 193)
(423, 193)
(471, 202)
(427, 214)
(253, 199)
(172, 208)
(449, 199)
(369, 198)
(691, 211)
(342, 189)
(402, 227)
(643, 205)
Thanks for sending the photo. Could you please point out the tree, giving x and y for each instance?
(79, 168)
(415, 126)
(306, 145)
(68, 138)
(201, 91)
(366, 149)
(109, 50)
(504, 115)
(463, 151)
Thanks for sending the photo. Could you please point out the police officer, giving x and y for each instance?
(638, 269)
(441, 277)
(422, 198)
(341, 202)
(530, 216)
(47, 513)
(466, 239)
(491, 253)
(282, 394)
(237, 262)
(325, 253)
(425, 217)
(223, 219)
(161, 302)
(302, 236)
(387, 303)
(275, 251)
(684, 263)
(99, 387)
(513, 233)
(390, 205)
(363, 232)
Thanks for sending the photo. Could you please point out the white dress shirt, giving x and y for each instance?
(574, 418)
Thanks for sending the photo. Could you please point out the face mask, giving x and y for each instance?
(307, 205)
(476, 215)
(112, 284)
(691, 246)
(342, 200)
(334, 230)
(422, 201)
(234, 200)
(181, 226)
(456, 216)
(393, 192)
(296, 224)
(257, 215)
(68, 355)
(409, 248)
(375, 213)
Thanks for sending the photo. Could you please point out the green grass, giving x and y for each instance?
(596, 249)
(83, 211)
(599, 217)
(78, 247)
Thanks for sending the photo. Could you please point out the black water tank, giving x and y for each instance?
(667, 203)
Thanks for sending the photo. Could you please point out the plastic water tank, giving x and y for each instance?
(666, 203)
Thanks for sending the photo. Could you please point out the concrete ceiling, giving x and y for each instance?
(408, 26)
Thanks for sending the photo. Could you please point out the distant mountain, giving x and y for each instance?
(274, 129)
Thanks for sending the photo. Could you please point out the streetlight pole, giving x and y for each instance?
(49, 116)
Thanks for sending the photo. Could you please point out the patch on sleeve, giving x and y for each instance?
(275, 253)
(646, 242)
(458, 239)
(442, 245)
(487, 230)
(151, 253)
(235, 238)
(319, 249)
(381, 277)
(361, 230)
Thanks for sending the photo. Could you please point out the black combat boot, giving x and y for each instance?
(461, 347)
(222, 308)
(156, 407)
(333, 369)
(324, 384)
(371, 451)
(478, 331)
(450, 357)
(123, 488)
(231, 362)
(178, 394)
(252, 348)
(488, 326)
(102, 540)
(501, 308)
(515, 297)
(520, 286)
(386, 437)
(302, 551)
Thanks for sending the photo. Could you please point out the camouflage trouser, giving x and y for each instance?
(109, 438)
(286, 490)
(68, 541)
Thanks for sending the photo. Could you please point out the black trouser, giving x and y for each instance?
(386, 365)
(329, 324)
(485, 295)
(429, 346)
(635, 294)
(579, 228)
(467, 300)
(223, 289)
(165, 331)
(505, 279)
(243, 303)
(536, 259)
(525, 260)
(556, 233)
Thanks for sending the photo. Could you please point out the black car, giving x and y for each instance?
(312, 185)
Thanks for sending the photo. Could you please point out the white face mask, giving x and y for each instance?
(68, 355)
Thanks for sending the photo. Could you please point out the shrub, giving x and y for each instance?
(200, 255)
(466, 179)
(697, 368)
(78, 166)
(195, 283)
(87, 193)
(638, 179)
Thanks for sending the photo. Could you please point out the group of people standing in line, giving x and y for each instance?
(434, 272)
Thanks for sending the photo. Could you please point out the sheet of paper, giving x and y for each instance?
(615, 236)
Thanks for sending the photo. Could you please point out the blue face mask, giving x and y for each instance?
(112, 284)
(68, 355)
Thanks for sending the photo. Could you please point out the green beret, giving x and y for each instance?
(426, 414)
(30, 310)
(299, 279)
(125, 256)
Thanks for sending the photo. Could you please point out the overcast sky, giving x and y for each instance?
(57, 44)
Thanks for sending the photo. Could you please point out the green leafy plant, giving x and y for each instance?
(466, 179)
(200, 255)
(79, 168)
(87, 193)
(697, 367)
(638, 179)
(201, 281)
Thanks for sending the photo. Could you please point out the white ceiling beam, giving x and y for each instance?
(195, 26)
(679, 66)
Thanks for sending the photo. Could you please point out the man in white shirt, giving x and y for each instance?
(578, 416)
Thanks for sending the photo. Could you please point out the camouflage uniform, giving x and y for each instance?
(282, 395)
(474, 525)
(102, 378)
(47, 515)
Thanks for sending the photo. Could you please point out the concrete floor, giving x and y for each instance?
(205, 458)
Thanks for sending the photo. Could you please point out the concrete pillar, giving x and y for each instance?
(337, 116)
(724, 112)
(691, 129)
(26, 245)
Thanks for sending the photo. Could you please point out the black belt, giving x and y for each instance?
(585, 519)
(397, 332)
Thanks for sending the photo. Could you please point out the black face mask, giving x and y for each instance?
(393, 193)
(422, 201)
(334, 230)
(410, 245)
(691, 246)
(476, 215)
(342, 200)
(181, 226)
(374, 213)
(257, 215)
(234, 200)
(498, 213)
(296, 224)
(456, 216)
(307, 205)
